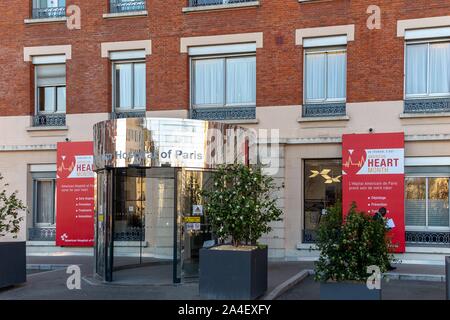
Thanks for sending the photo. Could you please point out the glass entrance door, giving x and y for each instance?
(128, 217)
(152, 219)
(195, 231)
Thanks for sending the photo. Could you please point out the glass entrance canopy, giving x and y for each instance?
(149, 211)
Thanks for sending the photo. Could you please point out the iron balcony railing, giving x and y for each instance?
(49, 120)
(42, 234)
(42, 13)
(127, 114)
(118, 6)
(199, 3)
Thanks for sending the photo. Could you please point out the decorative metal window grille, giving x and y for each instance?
(42, 234)
(324, 110)
(427, 105)
(117, 6)
(129, 114)
(426, 237)
(42, 13)
(224, 113)
(50, 120)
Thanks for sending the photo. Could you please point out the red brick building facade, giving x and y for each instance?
(374, 91)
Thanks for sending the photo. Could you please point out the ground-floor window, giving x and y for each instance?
(44, 216)
(427, 209)
(322, 189)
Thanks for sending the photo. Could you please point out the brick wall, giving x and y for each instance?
(375, 58)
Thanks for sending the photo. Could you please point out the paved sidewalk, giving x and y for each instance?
(51, 284)
(47, 280)
(406, 282)
(308, 289)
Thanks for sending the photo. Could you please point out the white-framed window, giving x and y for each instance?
(48, 8)
(223, 80)
(129, 85)
(427, 203)
(325, 75)
(44, 195)
(427, 69)
(50, 90)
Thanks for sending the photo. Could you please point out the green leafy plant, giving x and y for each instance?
(241, 204)
(348, 246)
(10, 209)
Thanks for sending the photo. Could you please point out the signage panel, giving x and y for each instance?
(75, 194)
(373, 178)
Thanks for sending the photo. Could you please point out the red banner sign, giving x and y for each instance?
(373, 178)
(75, 195)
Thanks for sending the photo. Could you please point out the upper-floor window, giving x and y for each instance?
(129, 86)
(220, 81)
(428, 69)
(325, 75)
(118, 6)
(199, 3)
(49, 9)
(51, 88)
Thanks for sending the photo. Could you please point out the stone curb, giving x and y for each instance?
(415, 277)
(288, 284)
(299, 277)
(47, 266)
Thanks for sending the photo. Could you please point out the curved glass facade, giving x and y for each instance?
(149, 212)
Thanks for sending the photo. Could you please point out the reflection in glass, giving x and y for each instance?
(438, 205)
(323, 188)
(415, 201)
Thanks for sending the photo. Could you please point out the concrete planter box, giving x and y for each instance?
(233, 275)
(447, 276)
(12, 264)
(347, 291)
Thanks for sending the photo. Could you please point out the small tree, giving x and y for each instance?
(10, 208)
(348, 246)
(241, 204)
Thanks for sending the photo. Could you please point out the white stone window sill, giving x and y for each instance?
(319, 119)
(306, 246)
(240, 121)
(45, 20)
(125, 14)
(34, 129)
(424, 115)
(312, 0)
(221, 7)
(41, 243)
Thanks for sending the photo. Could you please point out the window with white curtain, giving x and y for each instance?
(325, 75)
(427, 203)
(428, 69)
(44, 202)
(224, 81)
(129, 87)
(51, 88)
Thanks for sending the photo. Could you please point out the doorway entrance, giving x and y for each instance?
(150, 215)
(156, 224)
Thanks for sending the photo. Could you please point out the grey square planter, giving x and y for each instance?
(447, 276)
(12, 264)
(347, 291)
(233, 275)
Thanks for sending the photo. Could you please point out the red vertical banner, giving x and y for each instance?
(374, 177)
(75, 194)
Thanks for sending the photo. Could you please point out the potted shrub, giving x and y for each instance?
(348, 248)
(240, 207)
(12, 253)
